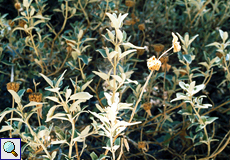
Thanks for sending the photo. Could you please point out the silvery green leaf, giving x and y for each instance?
(81, 95)
(199, 127)
(51, 112)
(52, 98)
(102, 75)
(192, 39)
(126, 53)
(60, 79)
(99, 108)
(198, 88)
(131, 45)
(61, 116)
(191, 87)
(75, 106)
(6, 128)
(47, 79)
(102, 52)
(59, 142)
(16, 97)
(93, 156)
(180, 96)
(203, 105)
(119, 35)
(86, 85)
(53, 89)
(122, 106)
(5, 112)
(210, 120)
(32, 104)
(16, 119)
(68, 93)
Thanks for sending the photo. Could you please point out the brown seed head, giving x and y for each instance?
(13, 86)
(36, 97)
(69, 49)
(164, 59)
(17, 5)
(140, 51)
(128, 22)
(11, 23)
(218, 54)
(141, 26)
(133, 21)
(153, 63)
(141, 144)
(133, 15)
(129, 3)
(165, 67)
(147, 106)
(158, 47)
(22, 23)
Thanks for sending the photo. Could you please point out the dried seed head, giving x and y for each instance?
(164, 59)
(128, 22)
(141, 144)
(133, 15)
(137, 20)
(158, 47)
(133, 21)
(11, 23)
(153, 63)
(141, 26)
(45, 45)
(165, 67)
(129, 3)
(147, 106)
(218, 54)
(17, 5)
(36, 97)
(21, 23)
(69, 49)
(13, 86)
(140, 51)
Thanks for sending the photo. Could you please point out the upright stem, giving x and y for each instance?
(11, 116)
(205, 130)
(139, 99)
(72, 137)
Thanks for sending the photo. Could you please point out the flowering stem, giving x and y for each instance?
(139, 99)
(12, 113)
(165, 52)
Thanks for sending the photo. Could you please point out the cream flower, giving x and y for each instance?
(176, 44)
(153, 63)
